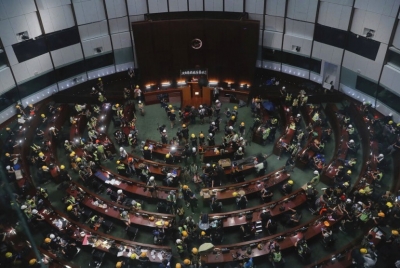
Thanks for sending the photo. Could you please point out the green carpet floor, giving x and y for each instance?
(147, 126)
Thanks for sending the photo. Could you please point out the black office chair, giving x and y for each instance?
(97, 258)
(107, 226)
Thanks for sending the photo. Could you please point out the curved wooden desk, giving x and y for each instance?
(155, 168)
(341, 139)
(287, 137)
(79, 232)
(224, 193)
(309, 230)
(130, 186)
(111, 209)
(238, 217)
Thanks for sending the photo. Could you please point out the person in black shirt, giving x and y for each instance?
(265, 215)
(210, 139)
(172, 118)
(185, 133)
(147, 153)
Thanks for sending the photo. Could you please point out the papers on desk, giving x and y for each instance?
(113, 182)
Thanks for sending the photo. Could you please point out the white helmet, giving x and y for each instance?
(130, 135)
(201, 106)
(348, 200)
(210, 134)
(216, 101)
(140, 101)
(194, 149)
(350, 126)
(240, 148)
(351, 141)
(213, 123)
(208, 165)
(23, 207)
(316, 172)
(241, 138)
(99, 94)
(151, 178)
(230, 127)
(119, 191)
(121, 148)
(8, 167)
(169, 174)
(380, 155)
(178, 241)
(34, 211)
(298, 115)
(52, 236)
(93, 88)
(164, 131)
(66, 141)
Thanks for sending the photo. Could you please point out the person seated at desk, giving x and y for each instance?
(125, 217)
(121, 197)
(70, 250)
(291, 218)
(248, 230)
(327, 234)
(264, 216)
(287, 188)
(239, 154)
(147, 153)
(266, 194)
(170, 180)
(121, 168)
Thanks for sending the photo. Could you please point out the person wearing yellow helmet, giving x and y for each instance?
(187, 262)
(178, 265)
(287, 188)
(193, 140)
(32, 262)
(147, 153)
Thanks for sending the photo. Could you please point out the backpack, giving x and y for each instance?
(365, 216)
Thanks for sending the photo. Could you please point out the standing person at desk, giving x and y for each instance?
(287, 188)
(147, 153)
(123, 153)
(152, 187)
(210, 139)
(164, 137)
(121, 168)
(241, 201)
(217, 107)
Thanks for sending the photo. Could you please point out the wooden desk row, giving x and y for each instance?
(287, 137)
(130, 186)
(238, 217)
(112, 209)
(225, 193)
(341, 138)
(101, 241)
(301, 162)
(155, 168)
(309, 230)
(208, 155)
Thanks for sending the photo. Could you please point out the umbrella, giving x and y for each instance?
(206, 247)
(269, 106)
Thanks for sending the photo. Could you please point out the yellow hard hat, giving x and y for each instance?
(362, 191)
(195, 250)
(30, 105)
(186, 262)
(17, 106)
(146, 148)
(118, 162)
(363, 250)
(242, 124)
(184, 234)
(234, 194)
(172, 111)
(32, 261)
(167, 155)
(19, 116)
(43, 115)
(381, 214)
(8, 255)
(7, 154)
(235, 108)
(62, 167)
(133, 256)
(72, 154)
(390, 122)
(349, 171)
(193, 136)
(137, 86)
(166, 223)
(290, 182)
(69, 208)
(117, 105)
(143, 254)
(184, 125)
(178, 265)
(389, 204)
(185, 187)
(47, 240)
(201, 135)
(74, 122)
(233, 117)
(119, 264)
(8, 129)
(41, 154)
(170, 106)
(203, 233)
(395, 232)
(45, 168)
(326, 223)
(78, 159)
(99, 79)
